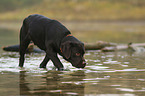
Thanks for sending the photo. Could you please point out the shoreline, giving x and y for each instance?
(80, 25)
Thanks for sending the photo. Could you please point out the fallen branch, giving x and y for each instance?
(128, 47)
(98, 45)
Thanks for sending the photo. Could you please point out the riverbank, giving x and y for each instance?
(117, 32)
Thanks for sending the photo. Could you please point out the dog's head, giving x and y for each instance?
(74, 53)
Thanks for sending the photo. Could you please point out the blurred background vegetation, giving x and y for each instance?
(119, 21)
(69, 10)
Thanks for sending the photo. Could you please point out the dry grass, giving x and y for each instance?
(117, 32)
(82, 10)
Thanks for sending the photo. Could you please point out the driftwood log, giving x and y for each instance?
(130, 47)
(100, 45)
(30, 49)
(88, 46)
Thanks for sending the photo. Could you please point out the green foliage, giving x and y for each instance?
(10, 5)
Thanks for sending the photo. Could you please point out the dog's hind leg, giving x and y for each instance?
(24, 42)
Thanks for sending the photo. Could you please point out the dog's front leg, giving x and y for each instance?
(44, 62)
(54, 58)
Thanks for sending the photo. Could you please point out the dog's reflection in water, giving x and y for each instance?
(53, 83)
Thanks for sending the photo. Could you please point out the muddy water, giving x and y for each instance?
(106, 74)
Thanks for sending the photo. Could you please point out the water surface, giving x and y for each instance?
(105, 74)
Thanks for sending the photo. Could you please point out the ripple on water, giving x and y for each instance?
(102, 62)
(105, 73)
(130, 90)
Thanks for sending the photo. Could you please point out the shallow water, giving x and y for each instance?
(106, 74)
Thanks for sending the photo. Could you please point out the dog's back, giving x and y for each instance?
(39, 27)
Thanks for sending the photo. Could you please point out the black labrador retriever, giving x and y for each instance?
(52, 37)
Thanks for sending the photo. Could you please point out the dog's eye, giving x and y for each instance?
(78, 54)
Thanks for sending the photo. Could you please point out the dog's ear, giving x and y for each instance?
(66, 49)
